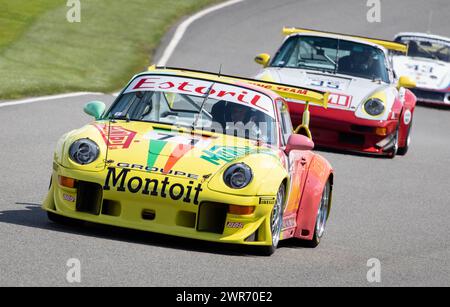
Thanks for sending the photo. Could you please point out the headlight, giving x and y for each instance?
(84, 151)
(374, 107)
(238, 176)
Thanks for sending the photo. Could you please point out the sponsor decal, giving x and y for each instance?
(218, 155)
(340, 100)
(122, 182)
(420, 68)
(157, 170)
(407, 117)
(278, 88)
(160, 138)
(223, 154)
(267, 200)
(235, 225)
(119, 137)
(195, 87)
(329, 84)
(174, 137)
(289, 223)
(69, 198)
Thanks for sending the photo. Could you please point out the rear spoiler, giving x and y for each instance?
(390, 45)
(284, 90)
(292, 92)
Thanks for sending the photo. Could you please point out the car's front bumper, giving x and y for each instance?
(208, 220)
(341, 129)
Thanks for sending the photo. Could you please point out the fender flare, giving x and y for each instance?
(319, 172)
(403, 126)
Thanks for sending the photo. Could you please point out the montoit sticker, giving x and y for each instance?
(151, 186)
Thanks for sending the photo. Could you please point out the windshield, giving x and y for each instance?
(182, 102)
(332, 55)
(428, 48)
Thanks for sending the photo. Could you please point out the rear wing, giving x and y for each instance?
(292, 92)
(286, 91)
(389, 45)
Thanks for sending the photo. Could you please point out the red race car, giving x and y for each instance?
(369, 109)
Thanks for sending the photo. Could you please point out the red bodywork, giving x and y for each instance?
(309, 175)
(341, 129)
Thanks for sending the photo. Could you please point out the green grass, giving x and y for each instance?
(41, 53)
(17, 15)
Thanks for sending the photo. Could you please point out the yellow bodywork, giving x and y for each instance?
(151, 177)
(394, 46)
(201, 167)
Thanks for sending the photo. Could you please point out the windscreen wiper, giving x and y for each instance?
(194, 124)
(205, 98)
(336, 66)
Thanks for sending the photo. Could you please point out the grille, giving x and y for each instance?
(351, 138)
(89, 197)
(212, 217)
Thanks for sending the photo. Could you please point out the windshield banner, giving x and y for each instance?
(199, 88)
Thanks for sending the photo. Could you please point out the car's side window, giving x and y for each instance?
(285, 121)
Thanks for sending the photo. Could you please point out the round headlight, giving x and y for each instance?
(238, 176)
(84, 151)
(374, 107)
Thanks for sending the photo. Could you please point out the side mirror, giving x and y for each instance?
(95, 109)
(263, 59)
(299, 142)
(406, 82)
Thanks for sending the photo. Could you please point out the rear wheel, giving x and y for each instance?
(276, 222)
(322, 217)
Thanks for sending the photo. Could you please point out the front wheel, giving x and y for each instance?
(276, 222)
(322, 217)
(403, 150)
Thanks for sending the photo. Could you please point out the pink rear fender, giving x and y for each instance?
(319, 172)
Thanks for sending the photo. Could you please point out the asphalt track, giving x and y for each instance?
(394, 210)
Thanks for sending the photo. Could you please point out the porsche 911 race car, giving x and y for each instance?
(369, 111)
(195, 155)
(428, 64)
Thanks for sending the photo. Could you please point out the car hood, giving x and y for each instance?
(346, 92)
(428, 73)
(159, 148)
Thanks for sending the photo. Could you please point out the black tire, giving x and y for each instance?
(279, 205)
(394, 150)
(325, 206)
(404, 150)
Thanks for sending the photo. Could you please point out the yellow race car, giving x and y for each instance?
(195, 155)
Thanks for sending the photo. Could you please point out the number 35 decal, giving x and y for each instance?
(328, 84)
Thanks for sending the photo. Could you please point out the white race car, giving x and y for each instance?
(428, 63)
